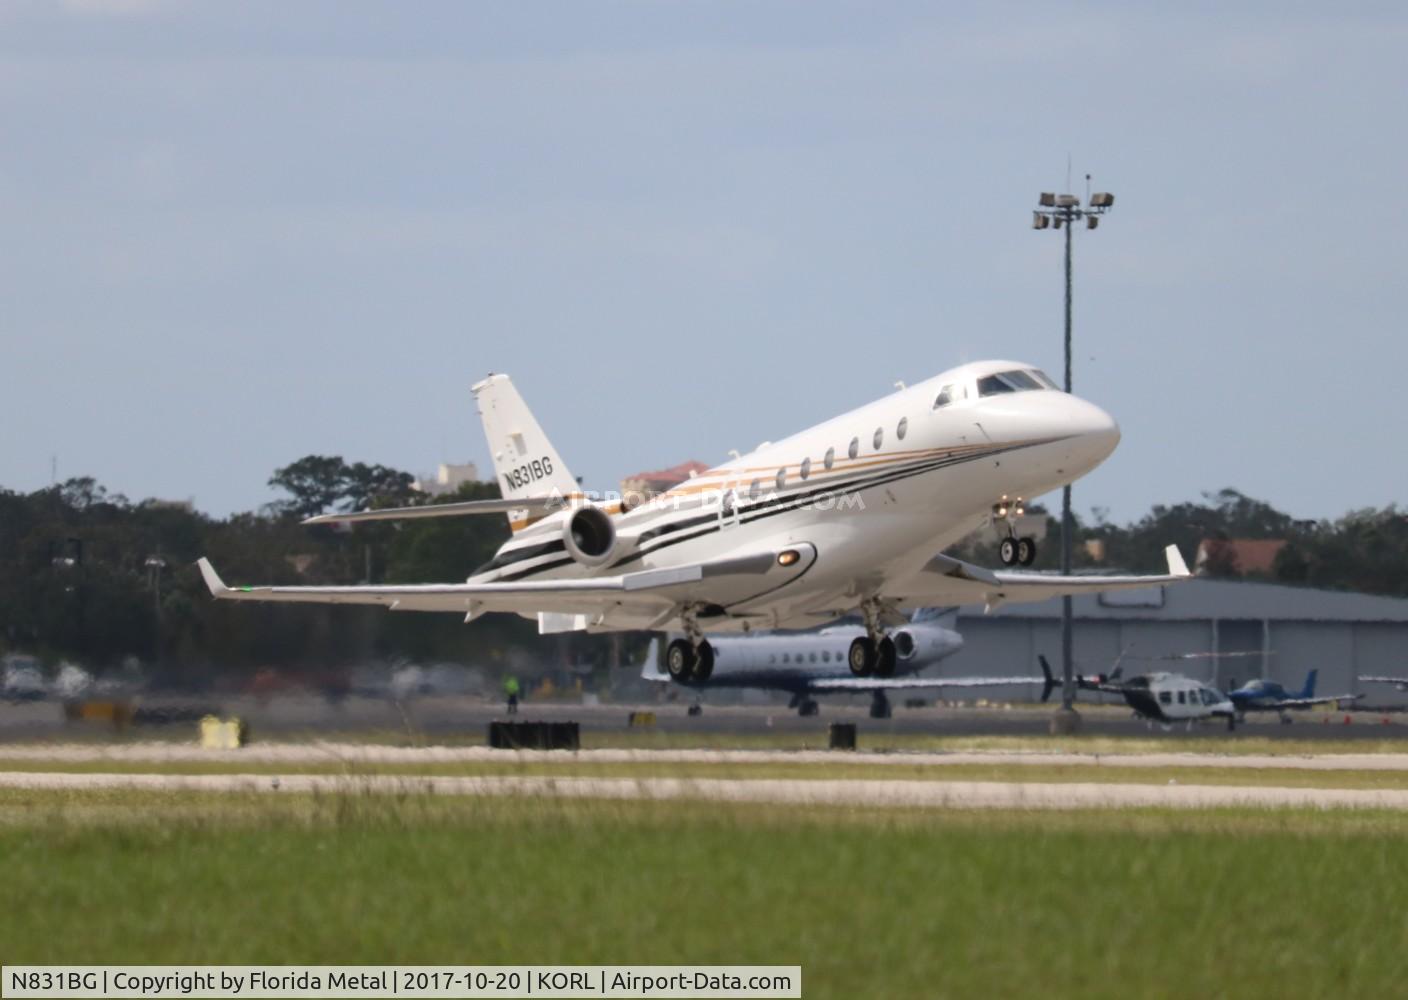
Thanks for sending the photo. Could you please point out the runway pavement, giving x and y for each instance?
(458, 717)
(839, 792)
(356, 754)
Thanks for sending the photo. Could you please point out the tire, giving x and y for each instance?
(1026, 551)
(1007, 551)
(885, 658)
(703, 662)
(679, 660)
(861, 657)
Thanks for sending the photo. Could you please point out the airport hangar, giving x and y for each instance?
(1290, 631)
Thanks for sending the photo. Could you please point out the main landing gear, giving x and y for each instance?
(1012, 550)
(872, 654)
(805, 706)
(690, 662)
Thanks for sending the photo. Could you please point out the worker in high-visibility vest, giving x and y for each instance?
(511, 691)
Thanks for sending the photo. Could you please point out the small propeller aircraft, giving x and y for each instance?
(849, 516)
(1268, 696)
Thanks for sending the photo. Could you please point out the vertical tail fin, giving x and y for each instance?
(525, 462)
(1049, 682)
(1309, 691)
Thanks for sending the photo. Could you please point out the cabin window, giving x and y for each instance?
(1166, 697)
(812, 657)
(826, 656)
(755, 488)
(903, 428)
(786, 657)
(879, 438)
(781, 477)
(854, 449)
(806, 469)
(772, 658)
(1181, 698)
(830, 459)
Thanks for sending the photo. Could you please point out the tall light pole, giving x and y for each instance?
(1064, 211)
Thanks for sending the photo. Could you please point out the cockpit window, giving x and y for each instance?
(1209, 697)
(1013, 381)
(1043, 378)
(946, 395)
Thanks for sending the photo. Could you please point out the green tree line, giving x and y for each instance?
(90, 576)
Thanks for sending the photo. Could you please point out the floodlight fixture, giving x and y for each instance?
(1047, 199)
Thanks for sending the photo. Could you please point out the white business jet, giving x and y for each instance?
(848, 516)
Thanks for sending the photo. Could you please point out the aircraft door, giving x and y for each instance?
(728, 508)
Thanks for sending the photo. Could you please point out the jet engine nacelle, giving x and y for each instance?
(924, 641)
(590, 536)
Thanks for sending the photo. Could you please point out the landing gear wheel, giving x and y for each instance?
(679, 660)
(862, 657)
(1007, 551)
(885, 660)
(1026, 551)
(808, 707)
(703, 662)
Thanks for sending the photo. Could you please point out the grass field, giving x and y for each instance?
(843, 766)
(896, 903)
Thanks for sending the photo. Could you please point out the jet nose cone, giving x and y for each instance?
(1097, 430)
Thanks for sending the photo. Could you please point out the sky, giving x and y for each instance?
(236, 234)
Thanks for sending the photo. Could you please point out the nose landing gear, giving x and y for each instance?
(1012, 550)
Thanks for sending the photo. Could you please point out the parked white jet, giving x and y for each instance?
(849, 515)
(807, 664)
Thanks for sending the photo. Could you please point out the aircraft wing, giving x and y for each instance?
(945, 580)
(1276, 706)
(838, 685)
(1376, 679)
(650, 590)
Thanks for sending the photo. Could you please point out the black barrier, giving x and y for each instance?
(843, 736)
(534, 736)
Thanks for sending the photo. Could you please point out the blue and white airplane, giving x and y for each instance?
(1262, 695)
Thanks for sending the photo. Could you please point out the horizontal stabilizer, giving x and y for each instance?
(464, 509)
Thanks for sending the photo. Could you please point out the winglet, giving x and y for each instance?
(1176, 565)
(212, 578)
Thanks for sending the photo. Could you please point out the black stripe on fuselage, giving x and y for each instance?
(662, 537)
